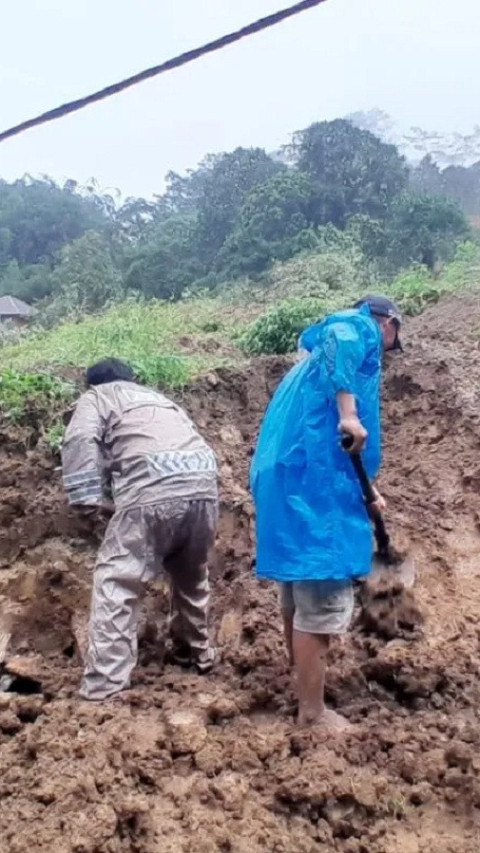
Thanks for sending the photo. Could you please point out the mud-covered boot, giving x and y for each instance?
(205, 660)
(202, 659)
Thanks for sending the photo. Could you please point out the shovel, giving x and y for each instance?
(386, 559)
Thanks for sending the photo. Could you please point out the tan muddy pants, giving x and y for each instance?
(175, 535)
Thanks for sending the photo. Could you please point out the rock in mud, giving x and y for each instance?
(458, 754)
(230, 630)
(231, 789)
(24, 667)
(221, 707)
(9, 722)
(421, 794)
(186, 732)
(210, 759)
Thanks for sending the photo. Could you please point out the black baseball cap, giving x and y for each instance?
(382, 306)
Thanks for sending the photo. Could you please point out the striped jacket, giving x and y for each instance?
(133, 444)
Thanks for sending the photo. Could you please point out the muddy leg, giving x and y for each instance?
(288, 633)
(310, 655)
(321, 609)
(287, 605)
(116, 595)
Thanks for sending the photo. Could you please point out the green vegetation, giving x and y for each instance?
(74, 251)
(53, 435)
(170, 343)
(149, 335)
(21, 391)
(278, 330)
(233, 260)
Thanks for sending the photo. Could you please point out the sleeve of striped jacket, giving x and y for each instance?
(82, 466)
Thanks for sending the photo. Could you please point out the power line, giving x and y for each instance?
(176, 62)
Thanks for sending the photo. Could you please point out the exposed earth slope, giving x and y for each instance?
(216, 764)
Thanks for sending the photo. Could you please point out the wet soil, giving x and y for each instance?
(216, 763)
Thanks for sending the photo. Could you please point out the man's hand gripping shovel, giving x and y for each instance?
(400, 568)
(387, 607)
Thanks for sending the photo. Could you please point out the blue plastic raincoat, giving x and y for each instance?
(311, 518)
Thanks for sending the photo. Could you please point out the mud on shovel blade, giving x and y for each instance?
(401, 568)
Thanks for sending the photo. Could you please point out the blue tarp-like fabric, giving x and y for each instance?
(311, 519)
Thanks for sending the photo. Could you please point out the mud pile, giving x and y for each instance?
(216, 764)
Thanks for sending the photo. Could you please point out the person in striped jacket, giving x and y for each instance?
(132, 452)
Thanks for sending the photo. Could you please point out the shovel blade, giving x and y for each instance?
(388, 607)
(402, 573)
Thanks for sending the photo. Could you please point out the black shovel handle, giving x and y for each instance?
(381, 535)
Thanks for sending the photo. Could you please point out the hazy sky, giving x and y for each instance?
(419, 60)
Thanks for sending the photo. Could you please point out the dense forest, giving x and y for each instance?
(336, 184)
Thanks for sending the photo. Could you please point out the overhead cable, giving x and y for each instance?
(176, 62)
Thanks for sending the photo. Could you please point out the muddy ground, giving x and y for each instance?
(216, 764)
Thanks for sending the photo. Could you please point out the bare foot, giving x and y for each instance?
(328, 719)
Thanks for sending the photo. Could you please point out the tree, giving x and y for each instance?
(86, 278)
(463, 185)
(277, 209)
(351, 171)
(11, 280)
(166, 262)
(29, 283)
(5, 242)
(427, 177)
(184, 192)
(135, 218)
(369, 235)
(231, 177)
(424, 229)
(37, 218)
(104, 200)
(271, 216)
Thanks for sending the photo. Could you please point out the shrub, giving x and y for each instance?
(167, 371)
(464, 270)
(54, 435)
(12, 334)
(414, 290)
(18, 390)
(318, 273)
(277, 331)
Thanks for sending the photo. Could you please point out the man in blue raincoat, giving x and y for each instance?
(313, 530)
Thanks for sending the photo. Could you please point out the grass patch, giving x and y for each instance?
(278, 329)
(170, 371)
(149, 335)
(21, 391)
(54, 434)
(169, 344)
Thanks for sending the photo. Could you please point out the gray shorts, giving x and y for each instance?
(319, 607)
